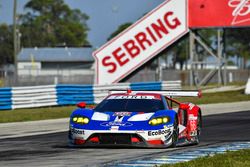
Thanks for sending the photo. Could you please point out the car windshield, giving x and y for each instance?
(130, 105)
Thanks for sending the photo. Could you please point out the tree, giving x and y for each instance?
(6, 44)
(239, 43)
(119, 30)
(180, 52)
(52, 23)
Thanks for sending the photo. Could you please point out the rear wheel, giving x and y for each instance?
(175, 134)
(199, 124)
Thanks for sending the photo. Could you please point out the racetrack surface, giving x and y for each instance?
(52, 149)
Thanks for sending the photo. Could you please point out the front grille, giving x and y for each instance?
(115, 138)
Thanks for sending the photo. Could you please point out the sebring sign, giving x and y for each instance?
(141, 41)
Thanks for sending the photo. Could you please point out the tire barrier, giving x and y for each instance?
(60, 95)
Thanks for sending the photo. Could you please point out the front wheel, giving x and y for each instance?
(175, 134)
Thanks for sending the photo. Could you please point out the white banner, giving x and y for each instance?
(141, 41)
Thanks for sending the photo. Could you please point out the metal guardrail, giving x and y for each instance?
(58, 95)
(5, 98)
(34, 96)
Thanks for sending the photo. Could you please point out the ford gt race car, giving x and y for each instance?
(137, 118)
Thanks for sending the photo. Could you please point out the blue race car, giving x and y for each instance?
(137, 118)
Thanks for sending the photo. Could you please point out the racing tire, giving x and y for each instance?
(199, 125)
(175, 134)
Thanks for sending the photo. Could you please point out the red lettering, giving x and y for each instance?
(175, 22)
(141, 41)
(111, 64)
(131, 48)
(141, 38)
(160, 28)
(151, 34)
(119, 57)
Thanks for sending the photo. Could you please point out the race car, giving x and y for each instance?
(137, 118)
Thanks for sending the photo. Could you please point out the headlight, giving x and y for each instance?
(159, 120)
(80, 120)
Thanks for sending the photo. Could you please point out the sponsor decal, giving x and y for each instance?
(191, 117)
(191, 106)
(77, 131)
(125, 124)
(241, 8)
(219, 13)
(114, 128)
(167, 127)
(119, 119)
(122, 114)
(193, 125)
(140, 131)
(158, 132)
(193, 133)
(131, 97)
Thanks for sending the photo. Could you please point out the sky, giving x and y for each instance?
(105, 15)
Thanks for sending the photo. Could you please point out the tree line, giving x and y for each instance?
(52, 23)
(47, 23)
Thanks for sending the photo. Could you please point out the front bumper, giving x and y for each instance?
(151, 138)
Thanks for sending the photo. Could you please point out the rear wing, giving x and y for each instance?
(170, 93)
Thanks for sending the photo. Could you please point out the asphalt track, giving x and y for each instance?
(52, 150)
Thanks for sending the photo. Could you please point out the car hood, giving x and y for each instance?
(121, 116)
(125, 120)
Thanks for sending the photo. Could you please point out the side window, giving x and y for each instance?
(165, 102)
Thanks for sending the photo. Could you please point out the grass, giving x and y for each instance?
(33, 114)
(213, 85)
(239, 158)
(1, 82)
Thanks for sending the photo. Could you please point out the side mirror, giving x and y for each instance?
(91, 106)
(81, 105)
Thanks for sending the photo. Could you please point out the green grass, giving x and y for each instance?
(239, 158)
(213, 85)
(32, 114)
(1, 82)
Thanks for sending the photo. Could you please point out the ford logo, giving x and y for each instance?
(125, 124)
